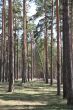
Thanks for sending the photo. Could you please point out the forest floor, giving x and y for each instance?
(35, 95)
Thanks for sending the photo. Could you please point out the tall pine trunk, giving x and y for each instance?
(28, 60)
(11, 49)
(17, 59)
(58, 49)
(67, 39)
(51, 74)
(24, 45)
(14, 23)
(46, 43)
(3, 41)
(32, 62)
(65, 33)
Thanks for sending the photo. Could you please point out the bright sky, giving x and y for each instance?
(32, 9)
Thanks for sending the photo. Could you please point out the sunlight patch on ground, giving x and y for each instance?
(33, 91)
(29, 89)
(13, 102)
(31, 96)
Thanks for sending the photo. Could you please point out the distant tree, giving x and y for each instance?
(24, 44)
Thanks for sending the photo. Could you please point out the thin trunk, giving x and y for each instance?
(27, 53)
(14, 27)
(3, 41)
(7, 63)
(28, 61)
(15, 55)
(17, 59)
(46, 44)
(51, 75)
(58, 49)
(0, 69)
(61, 53)
(32, 67)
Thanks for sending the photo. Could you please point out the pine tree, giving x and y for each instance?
(11, 49)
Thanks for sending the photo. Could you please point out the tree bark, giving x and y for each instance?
(51, 75)
(65, 33)
(24, 44)
(3, 41)
(58, 49)
(67, 36)
(11, 49)
(17, 60)
(46, 43)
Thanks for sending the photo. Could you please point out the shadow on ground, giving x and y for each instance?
(35, 96)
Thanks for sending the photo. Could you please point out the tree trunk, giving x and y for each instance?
(15, 55)
(58, 50)
(11, 49)
(24, 45)
(70, 53)
(0, 69)
(3, 41)
(67, 37)
(51, 75)
(65, 33)
(7, 61)
(46, 44)
(28, 60)
(17, 60)
(31, 57)
(28, 77)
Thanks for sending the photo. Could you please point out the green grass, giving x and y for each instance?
(32, 96)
